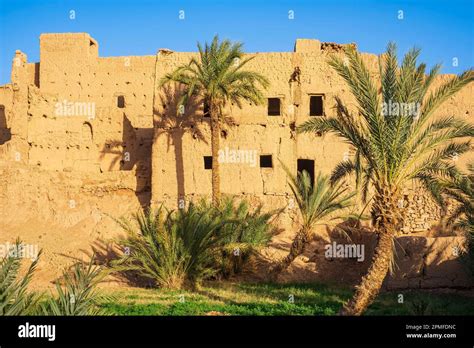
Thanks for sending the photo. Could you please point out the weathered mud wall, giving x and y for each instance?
(102, 132)
(419, 262)
(67, 215)
(182, 143)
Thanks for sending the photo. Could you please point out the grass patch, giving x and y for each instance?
(278, 299)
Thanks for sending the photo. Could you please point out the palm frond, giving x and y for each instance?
(14, 296)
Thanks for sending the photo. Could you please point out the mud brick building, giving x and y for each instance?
(82, 135)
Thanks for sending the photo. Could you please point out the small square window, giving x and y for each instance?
(207, 162)
(121, 101)
(273, 106)
(306, 165)
(266, 161)
(316, 105)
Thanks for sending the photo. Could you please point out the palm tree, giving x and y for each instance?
(317, 204)
(218, 77)
(392, 148)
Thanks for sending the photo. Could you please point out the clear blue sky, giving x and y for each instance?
(443, 29)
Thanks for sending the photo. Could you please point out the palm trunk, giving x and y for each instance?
(215, 140)
(387, 217)
(297, 248)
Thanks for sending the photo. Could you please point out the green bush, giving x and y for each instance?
(77, 294)
(245, 233)
(182, 248)
(172, 249)
(14, 297)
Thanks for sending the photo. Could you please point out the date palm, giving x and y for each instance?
(78, 293)
(317, 204)
(218, 77)
(393, 149)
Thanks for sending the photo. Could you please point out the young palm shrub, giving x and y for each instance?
(14, 296)
(393, 149)
(317, 204)
(218, 77)
(77, 294)
(245, 233)
(152, 251)
(172, 249)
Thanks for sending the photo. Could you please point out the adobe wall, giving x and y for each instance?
(250, 128)
(420, 262)
(111, 161)
(98, 136)
(68, 215)
(181, 143)
(6, 103)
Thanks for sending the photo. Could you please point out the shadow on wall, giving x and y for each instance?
(174, 122)
(133, 151)
(337, 256)
(5, 134)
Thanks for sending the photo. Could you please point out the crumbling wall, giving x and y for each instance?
(181, 142)
(67, 215)
(106, 156)
(420, 262)
(75, 120)
(6, 102)
(423, 262)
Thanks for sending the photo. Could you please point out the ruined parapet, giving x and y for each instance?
(18, 147)
(307, 46)
(316, 46)
(165, 52)
(6, 102)
(332, 47)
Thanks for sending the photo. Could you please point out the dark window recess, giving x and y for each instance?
(207, 162)
(266, 161)
(316, 105)
(273, 106)
(206, 110)
(308, 166)
(121, 101)
(5, 133)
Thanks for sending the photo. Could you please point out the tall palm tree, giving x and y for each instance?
(317, 204)
(393, 148)
(218, 77)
